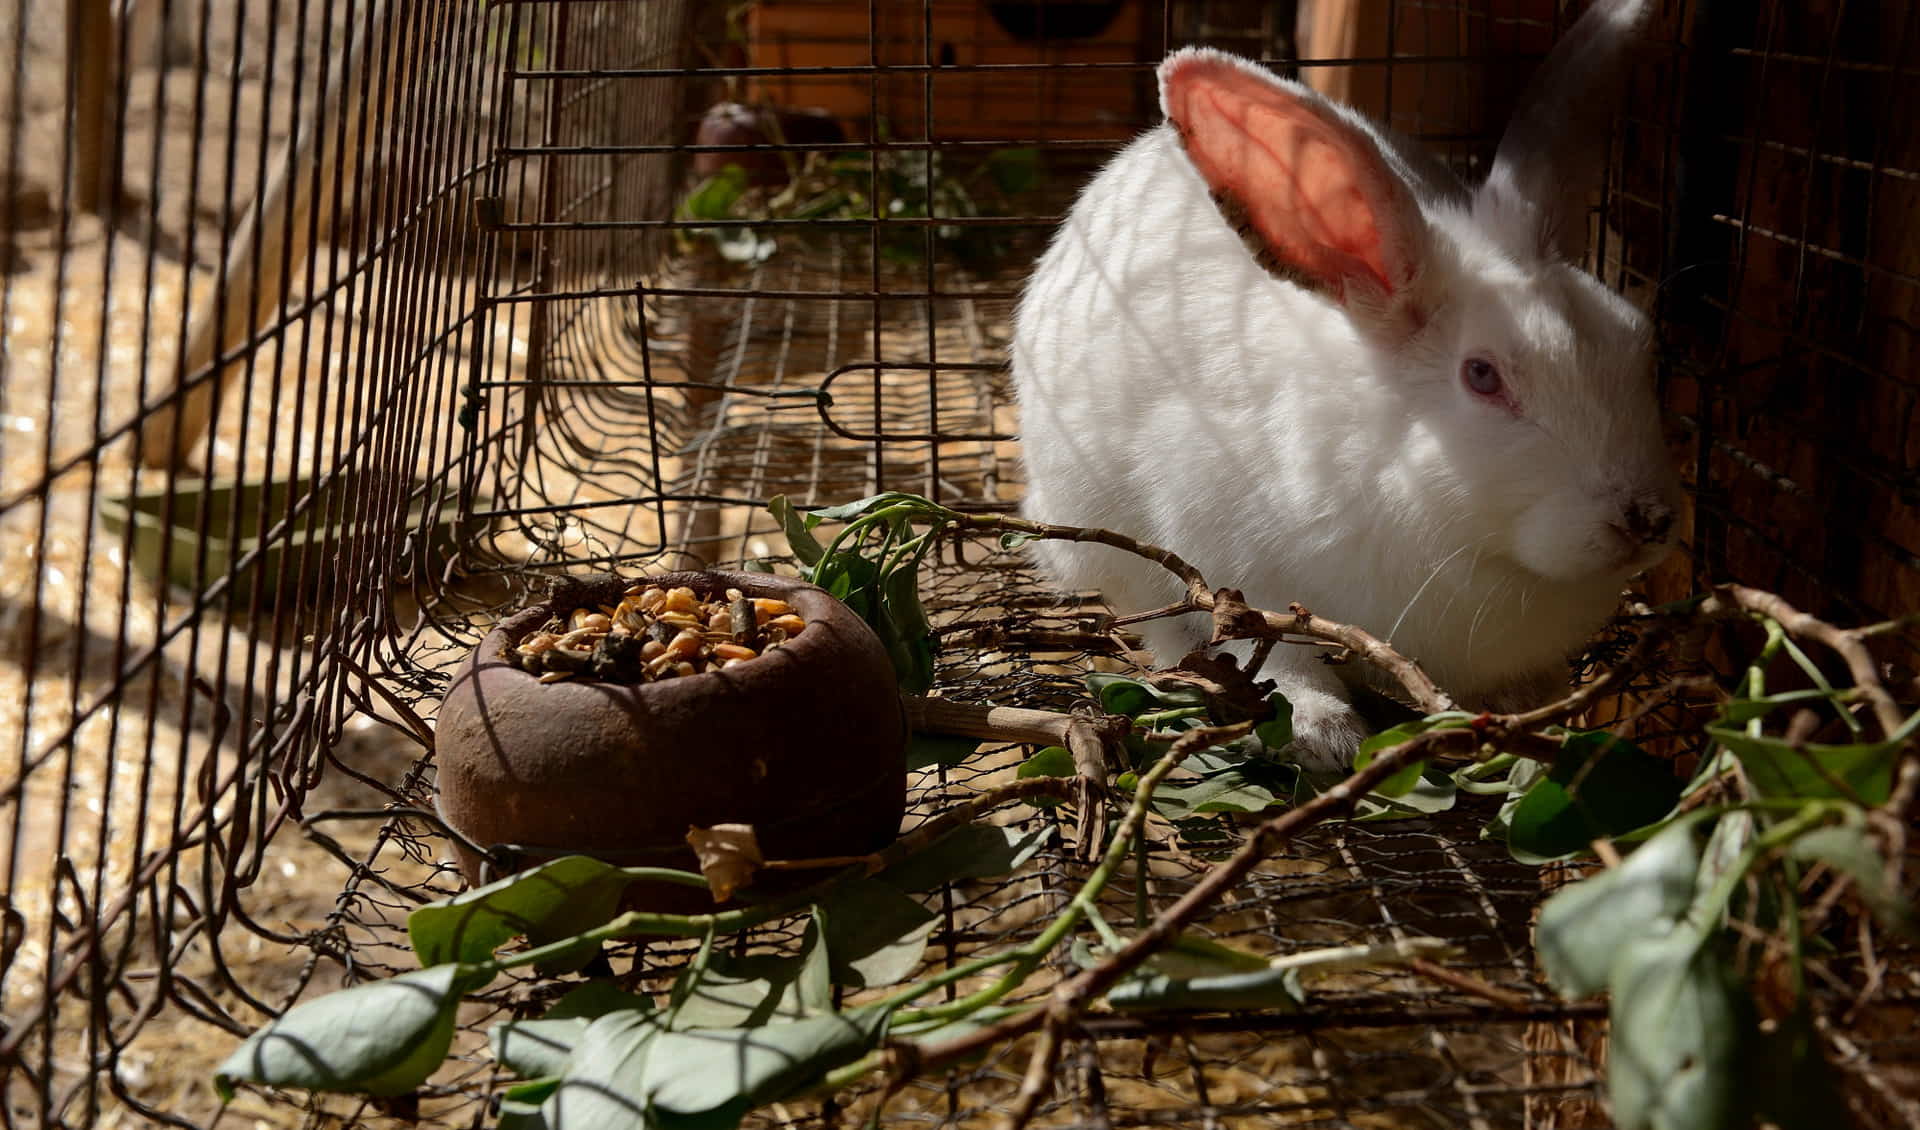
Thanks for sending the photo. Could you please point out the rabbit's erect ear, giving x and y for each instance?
(1552, 155)
(1308, 189)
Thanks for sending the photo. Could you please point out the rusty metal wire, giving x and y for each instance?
(328, 329)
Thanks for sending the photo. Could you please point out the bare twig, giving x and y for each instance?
(1039, 1077)
(993, 723)
(1469, 984)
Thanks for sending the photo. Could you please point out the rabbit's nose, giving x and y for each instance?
(1649, 521)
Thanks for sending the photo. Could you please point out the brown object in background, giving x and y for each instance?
(733, 123)
(1052, 100)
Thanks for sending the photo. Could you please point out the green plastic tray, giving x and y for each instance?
(322, 531)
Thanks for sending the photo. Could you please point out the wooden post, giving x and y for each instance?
(90, 76)
(275, 229)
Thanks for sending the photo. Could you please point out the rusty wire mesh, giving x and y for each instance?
(485, 345)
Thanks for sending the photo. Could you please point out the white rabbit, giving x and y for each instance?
(1298, 352)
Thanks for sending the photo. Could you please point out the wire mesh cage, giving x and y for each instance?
(330, 331)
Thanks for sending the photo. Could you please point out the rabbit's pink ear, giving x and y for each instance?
(1309, 189)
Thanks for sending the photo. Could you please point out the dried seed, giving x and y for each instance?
(658, 633)
(579, 638)
(556, 676)
(686, 645)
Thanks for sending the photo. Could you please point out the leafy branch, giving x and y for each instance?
(1692, 868)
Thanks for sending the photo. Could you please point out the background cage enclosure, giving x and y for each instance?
(331, 328)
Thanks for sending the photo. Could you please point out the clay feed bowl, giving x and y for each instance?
(806, 743)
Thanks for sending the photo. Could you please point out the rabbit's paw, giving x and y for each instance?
(1327, 731)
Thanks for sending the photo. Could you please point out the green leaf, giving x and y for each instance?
(1408, 777)
(1403, 779)
(1600, 786)
(381, 1038)
(748, 990)
(1276, 733)
(1189, 955)
(1444, 720)
(533, 1049)
(906, 622)
(574, 891)
(1849, 850)
(743, 991)
(1740, 711)
(1432, 792)
(1584, 927)
(1120, 694)
(918, 507)
(875, 933)
(1519, 781)
(971, 851)
(1781, 770)
(1265, 988)
(714, 197)
(813, 989)
(927, 750)
(843, 573)
(1675, 1058)
(716, 1075)
(521, 1105)
(602, 1085)
(1014, 539)
(799, 536)
(1229, 791)
(1048, 761)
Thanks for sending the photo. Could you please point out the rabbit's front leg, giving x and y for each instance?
(1327, 730)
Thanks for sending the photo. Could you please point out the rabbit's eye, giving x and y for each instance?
(1481, 376)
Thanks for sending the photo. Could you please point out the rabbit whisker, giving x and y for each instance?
(1415, 598)
(1486, 603)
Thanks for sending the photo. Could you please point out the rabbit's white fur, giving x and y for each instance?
(1173, 388)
